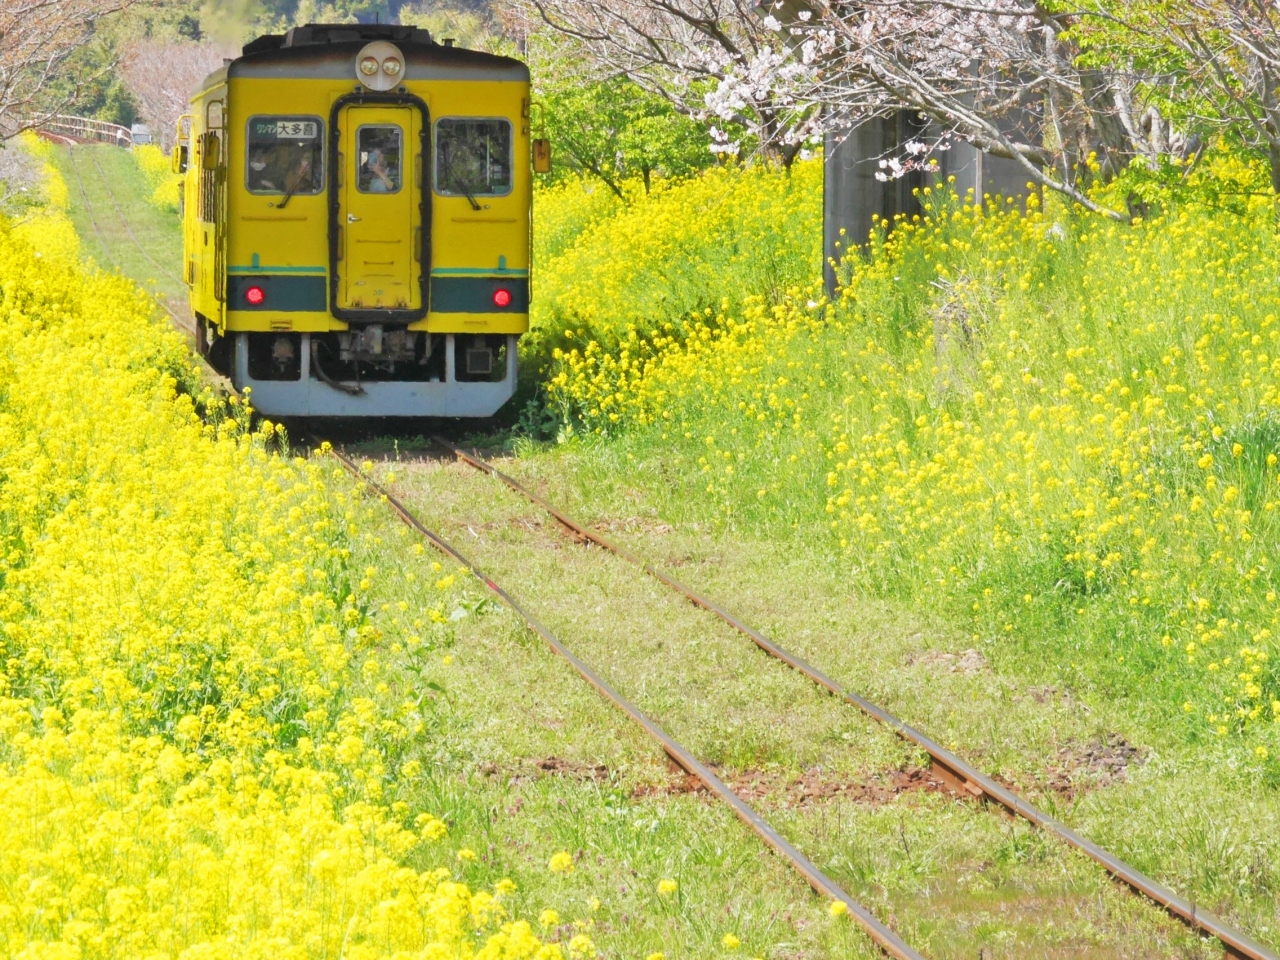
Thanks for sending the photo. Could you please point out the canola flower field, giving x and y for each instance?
(1060, 431)
(202, 752)
(164, 183)
(609, 271)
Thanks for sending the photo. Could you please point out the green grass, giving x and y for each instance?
(119, 227)
(1187, 816)
(955, 878)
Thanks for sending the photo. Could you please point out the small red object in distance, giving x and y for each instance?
(255, 295)
(502, 298)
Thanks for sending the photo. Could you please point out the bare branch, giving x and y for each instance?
(37, 39)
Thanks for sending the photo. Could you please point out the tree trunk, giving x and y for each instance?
(1111, 142)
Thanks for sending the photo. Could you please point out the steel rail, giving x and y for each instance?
(886, 939)
(963, 775)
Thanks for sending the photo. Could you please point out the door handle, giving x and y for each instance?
(352, 218)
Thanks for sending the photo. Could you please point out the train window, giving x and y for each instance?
(473, 157)
(379, 158)
(285, 155)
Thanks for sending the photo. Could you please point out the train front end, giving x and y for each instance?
(357, 223)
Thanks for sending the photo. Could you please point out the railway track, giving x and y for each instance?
(124, 221)
(73, 149)
(963, 776)
(886, 939)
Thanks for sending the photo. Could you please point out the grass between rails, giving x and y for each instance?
(954, 878)
(102, 181)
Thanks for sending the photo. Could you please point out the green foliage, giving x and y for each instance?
(475, 29)
(1231, 180)
(89, 85)
(608, 128)
(613, 129)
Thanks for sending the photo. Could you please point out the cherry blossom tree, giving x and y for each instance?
(37, 39)
(717, 59)
(1007, 76)
(1070, 90)
(161, 75)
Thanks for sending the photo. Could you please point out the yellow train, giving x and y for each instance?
(356, 222)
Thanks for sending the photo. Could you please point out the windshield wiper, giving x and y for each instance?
(461, 185)
(289, 195)
(452, 176)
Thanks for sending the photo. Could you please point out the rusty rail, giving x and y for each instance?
(884, 938)
(958, 771)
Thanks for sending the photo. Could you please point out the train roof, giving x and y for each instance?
(328, 51)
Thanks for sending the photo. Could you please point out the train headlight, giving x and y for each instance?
(501, 297)
(255, 296)
(380, 66)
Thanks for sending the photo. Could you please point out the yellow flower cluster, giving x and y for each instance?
(675, 251)
(646, 378)
(157, 168)
(200, 753)
(50, 227)
(1056, 425)
(564, 211)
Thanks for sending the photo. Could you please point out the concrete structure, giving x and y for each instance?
(853, 197)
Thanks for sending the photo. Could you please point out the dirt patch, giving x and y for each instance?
(1081, 766)
(814, 786)
(552, 766)
(966, 661)
(532, 523)
(687, 559)
(631, 525)
(495, 456)
(1052, 696)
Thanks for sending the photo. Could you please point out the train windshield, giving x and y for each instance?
(379, 149)
(473, 157)
(285, 155)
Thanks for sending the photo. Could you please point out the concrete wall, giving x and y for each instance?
(853, 198)
(983, 174)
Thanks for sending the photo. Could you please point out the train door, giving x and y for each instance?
(212, 214)
(379, 213)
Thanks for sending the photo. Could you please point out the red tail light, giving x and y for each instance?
(501, 298)
(255, 295)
